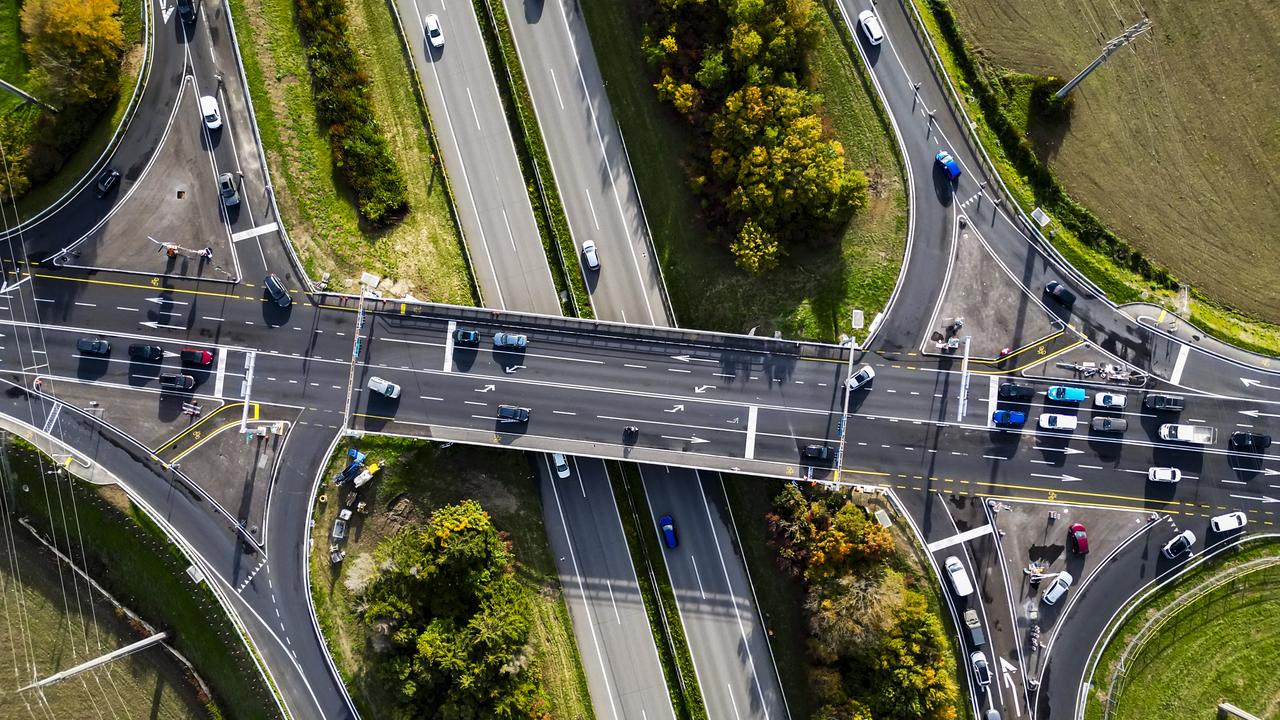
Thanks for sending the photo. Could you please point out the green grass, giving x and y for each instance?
(1230, 636)
(417, 477)
(814, 288)
(658, 596)
(424, 252)
(13, 61)
(131, 557)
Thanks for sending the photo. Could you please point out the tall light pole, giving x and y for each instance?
(856, 321)
(1116, 43)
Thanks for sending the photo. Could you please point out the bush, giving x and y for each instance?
(341, 88)
(1045, 103)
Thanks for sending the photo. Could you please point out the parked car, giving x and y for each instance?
(1110, 400)
(668, 527)
(981, 670)
(1228, 522)
(194, 356)
(871, 27)
(177, 381)
(959, 578)
(561, 464)
(1016, 392)
(1110, 424)
(818, 452)
(1079, 538)
(1008, 418)
(209, 110)
(1164, 474)
(948, 164)
(1057, 588)
(1059, 292)
(93, 346)
(1055, 421)
(146, 353)
(510, 341)
(1181, 543)
(435, 35)
(107, 180)
(512, 414)
(1065, 394)
(590, 256)
(277, 291)
(465, 336)
(1250, 441)
(383, 387)
(864, 375)
(227, 189)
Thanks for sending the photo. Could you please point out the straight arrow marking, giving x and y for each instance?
(154, 325)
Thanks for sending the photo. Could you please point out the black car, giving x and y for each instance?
(276, 289)
(1060, 292)
(1167, 403)
(107, 180)
(177, 382)
(187, 10)
(146, 353)
(817, 452)
(1251, 441)
(464, 336)
(93, 346)
(512, 413)
(1014, 391)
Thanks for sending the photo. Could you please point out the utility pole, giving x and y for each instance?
(1116, 43)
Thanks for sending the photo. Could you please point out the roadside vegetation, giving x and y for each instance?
(449, 553)
(422, 254)
(1193, 219)
(121, 548)
(1223, 620)
(820, 277)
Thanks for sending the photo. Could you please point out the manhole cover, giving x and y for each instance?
(182, 194)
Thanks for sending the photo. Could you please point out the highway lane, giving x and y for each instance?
(479, 153)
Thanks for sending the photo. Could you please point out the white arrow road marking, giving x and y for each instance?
(1063, 477)
(1250, 382)
(166, 12)
(687, 358)
(1259, 498)
(154, 325)
(161, 301)
(1065, 451)
(512, 369)
(7, 287)
(703, 388)
(1008, 669)
(1269, 471)
(675, 408)
(487, 388)
(692, 440)
(1257, 413)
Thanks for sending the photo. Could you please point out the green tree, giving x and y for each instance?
(911, 679)
(851, 616)
(755, 250)
(74, 47)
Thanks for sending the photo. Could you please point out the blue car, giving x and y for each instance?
(1064, 394)
(948, 163)
(668, 527)
(1008, 418)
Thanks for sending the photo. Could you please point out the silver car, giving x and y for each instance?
(227, 189)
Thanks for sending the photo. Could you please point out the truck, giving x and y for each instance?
(1197, 434)
(1166, 403)
(369, 471)
(974, 628)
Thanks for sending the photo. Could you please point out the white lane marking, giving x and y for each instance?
(85, 304)
(254, 232)
(557, 87)
(697, 575)
(591, 205)
(562, 412)
(118, 308)
(221, 376)
(679, 370)
(991, 400)
(474, 114)
(448, 346)
(638, 367)
(750, 453)
(1092, 467)
(1180, 364)
(616, 615)
(429, 397)
(958, 538)
(995, 457)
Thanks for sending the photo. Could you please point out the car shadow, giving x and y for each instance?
(272, 314)
(943, 187)
(92, 367)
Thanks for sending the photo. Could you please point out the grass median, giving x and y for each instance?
(423, 253)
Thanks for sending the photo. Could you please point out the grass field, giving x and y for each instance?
(54, 632)
(424, 252)
(1171, 142)
(13, 61)
(1221, 647)
(810, 294)
(419, 476)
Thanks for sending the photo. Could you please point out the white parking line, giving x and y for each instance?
(448, 346)
(222, 373)
(991, 399)
(1179, 364)
(965, 536)
(751, 432)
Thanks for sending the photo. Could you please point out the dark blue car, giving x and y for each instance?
(668, 527)
(1008, 418)
(948, 163)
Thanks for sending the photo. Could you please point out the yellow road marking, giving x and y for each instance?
(1160, 319)
(200, 422)
(117, 283)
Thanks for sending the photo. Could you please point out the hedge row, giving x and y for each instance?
(341, 88)
(1048, 192)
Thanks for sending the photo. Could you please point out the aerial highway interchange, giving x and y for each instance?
(687, 405)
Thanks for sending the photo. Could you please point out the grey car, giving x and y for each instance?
(1110, 424)
(512, 414)
(227, 189)
(510, 341)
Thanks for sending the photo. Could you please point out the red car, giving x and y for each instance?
(1079, 539)
(196, 357)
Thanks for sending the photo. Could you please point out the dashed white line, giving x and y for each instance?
(124, 308)
(211, 319)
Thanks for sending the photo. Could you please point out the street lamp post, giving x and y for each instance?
(856, 321)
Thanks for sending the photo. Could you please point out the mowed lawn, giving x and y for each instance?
(1172, 143)
(417, 477)
(811, 293)
(423, 252)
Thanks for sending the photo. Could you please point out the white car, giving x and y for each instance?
(1054, 421)
(1057, 588)
(1164, 474)
(562, 465)
(384, 387)
(435, 35)
(959, 578)
(1180, 543)
(209, 110)
(1227, 523)
(981, 670)
(1106, 399)
(590, 255)
(871, 27)
(860, 378)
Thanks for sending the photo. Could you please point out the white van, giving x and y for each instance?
(959, 578)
